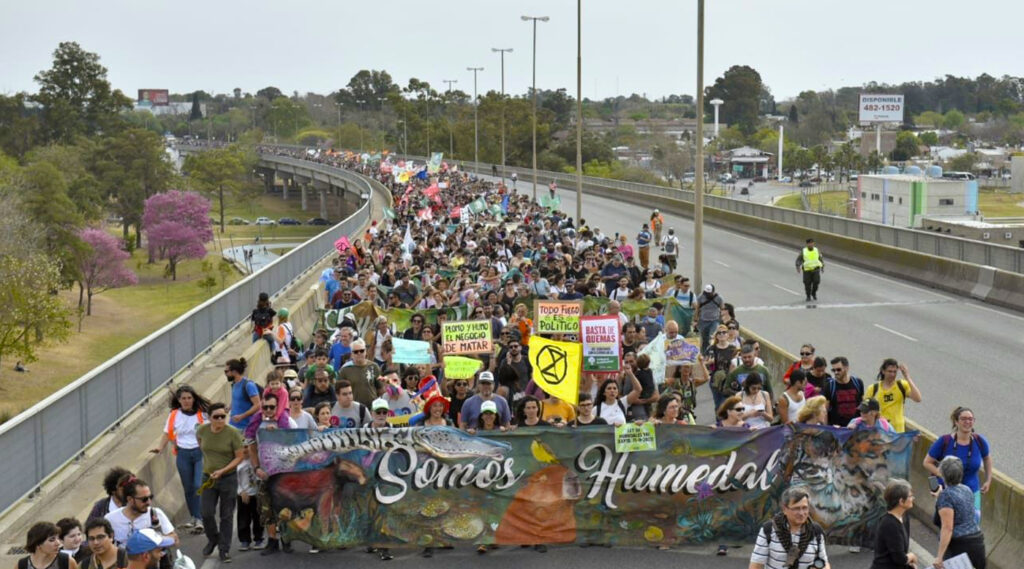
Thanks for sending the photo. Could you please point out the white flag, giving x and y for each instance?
(655, 350)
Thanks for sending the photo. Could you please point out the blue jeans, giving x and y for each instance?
(707, 333)
(190, 470)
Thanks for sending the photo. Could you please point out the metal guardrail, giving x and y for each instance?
(52, 433)
(1001, 257)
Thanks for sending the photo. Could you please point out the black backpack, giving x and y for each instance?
(63, 561)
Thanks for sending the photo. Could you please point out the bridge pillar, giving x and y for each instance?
(284, 189)
(268, 181)
(341, 191)
(302, 191)
(323, 203)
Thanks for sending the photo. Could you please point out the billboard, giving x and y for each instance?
(880, 108)
(154, 96)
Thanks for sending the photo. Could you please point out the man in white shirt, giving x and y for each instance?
(139, 513)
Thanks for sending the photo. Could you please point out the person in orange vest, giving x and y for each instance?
(188, 411)
(657, 222)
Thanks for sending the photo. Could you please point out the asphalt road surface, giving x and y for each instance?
(958, 351)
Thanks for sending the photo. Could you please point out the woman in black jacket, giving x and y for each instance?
(892, 539)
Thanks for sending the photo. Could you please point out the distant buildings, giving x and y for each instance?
(903, 200)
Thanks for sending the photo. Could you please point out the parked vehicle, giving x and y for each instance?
(265, 221)
(806, 184)
(318, 221)
(239, 221)
(288, 221)
(786, 179)
(958, 176)
(760, 179)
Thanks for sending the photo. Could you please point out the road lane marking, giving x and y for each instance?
(801, 306)
(721, 263)
(793, 292)
(891, 331)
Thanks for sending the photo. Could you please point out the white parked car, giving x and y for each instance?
(265, 221)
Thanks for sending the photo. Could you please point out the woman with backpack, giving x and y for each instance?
(971, 448)
(43, 547)
(610, 406)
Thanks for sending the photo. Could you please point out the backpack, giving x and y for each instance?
(830, 388)
(597, 408)
(670, 245)
(817, 534)
(878, 385)
(947, 440)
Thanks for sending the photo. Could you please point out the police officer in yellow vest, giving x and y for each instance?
(809, 262)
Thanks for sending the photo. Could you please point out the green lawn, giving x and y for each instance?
(826, 202)
(1000, 203)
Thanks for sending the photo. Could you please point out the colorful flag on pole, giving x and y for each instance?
(556, 367)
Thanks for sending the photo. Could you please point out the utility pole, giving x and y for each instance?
(476, 122)
(579, 111)
(451, 138)
(502, 52)
(698, 193)
(535, 20)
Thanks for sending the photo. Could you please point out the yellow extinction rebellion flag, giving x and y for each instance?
(556, 367)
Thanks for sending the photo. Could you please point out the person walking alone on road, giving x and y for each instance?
(670, 245)
(809, 262)
(643, 246)
(657, 222)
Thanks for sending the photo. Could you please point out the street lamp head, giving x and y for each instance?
(717, 102)
(506, 50)
(526, 18)
(537, 18)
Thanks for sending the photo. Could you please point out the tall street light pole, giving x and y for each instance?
(476, 122)
(360, 102)
(535, 19)
(502, 52)
(579, 111)
(698, 194)
(451, 137)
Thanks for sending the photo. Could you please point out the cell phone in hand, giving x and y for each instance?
(934, 483)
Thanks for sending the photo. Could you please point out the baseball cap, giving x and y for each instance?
(486, 377)
(488, 407)
(146, 540)
(282, 313)
(379, 403)
(868, 405)
(709, 288)
(290, 374)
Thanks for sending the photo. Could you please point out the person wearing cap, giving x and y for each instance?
(708, 315)
(870, 417)
(380, 410)
(487, 420)
(643, 246)
(473, 406)
(145, 548)
(811, 265)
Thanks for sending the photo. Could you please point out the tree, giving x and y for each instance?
(929, 138)
(130, 166)
(46, 202)
(29, 309)
(269, 93)
(218, 172)
(76, 96)
(953, 120)
(197, 112)
(73, 164)
(177, 225)
(741, 88)
(369, 87)
(102, 268)
(286, 116)
(794, 115)
(19, 127)
(964, 163)
(906, 146)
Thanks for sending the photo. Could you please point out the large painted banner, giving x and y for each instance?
(432, 486)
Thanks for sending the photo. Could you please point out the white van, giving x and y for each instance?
(958, 176)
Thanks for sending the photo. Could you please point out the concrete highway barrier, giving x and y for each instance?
(1002, 508)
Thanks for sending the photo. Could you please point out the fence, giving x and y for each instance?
(955, 248)
(54, 432)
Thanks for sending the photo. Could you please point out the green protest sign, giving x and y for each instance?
(458, 367)
(630, 437)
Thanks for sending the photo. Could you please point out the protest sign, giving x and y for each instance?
(410, 351)
(467, 337)
(458, 367)
(556, 367)
(441, 486)
(601, 343)
(679, 352)
(631, 437)
(557, 316)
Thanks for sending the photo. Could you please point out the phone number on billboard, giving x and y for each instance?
(877, 108)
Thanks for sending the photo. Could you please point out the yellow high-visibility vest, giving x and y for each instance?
(812, 259)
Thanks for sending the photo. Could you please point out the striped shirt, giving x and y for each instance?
(772, 556)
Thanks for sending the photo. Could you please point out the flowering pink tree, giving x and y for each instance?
(102, 267)
(177, 227)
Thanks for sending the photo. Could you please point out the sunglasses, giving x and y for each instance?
(380, 411)
(269, 407)
(295, 398)
(143, 498)
(837, 370)
(806, 353)
(219, 417)
(358, 351)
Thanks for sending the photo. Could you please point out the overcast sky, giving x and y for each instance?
(640, 46)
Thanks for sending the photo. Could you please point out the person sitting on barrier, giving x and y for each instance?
(112, 485)
(43, 546)
(959, 530)
(730, 413)
(971, 448)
